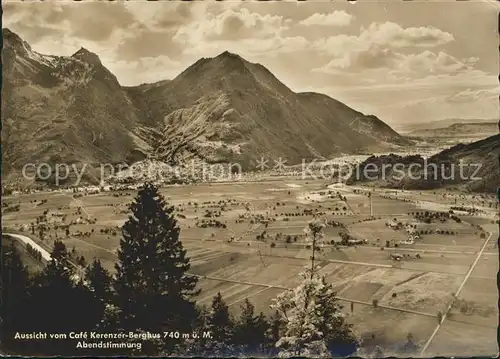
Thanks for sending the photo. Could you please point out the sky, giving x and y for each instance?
(405, 62)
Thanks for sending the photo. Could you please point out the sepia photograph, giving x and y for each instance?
(250, 179)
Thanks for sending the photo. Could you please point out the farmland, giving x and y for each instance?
(247, 240)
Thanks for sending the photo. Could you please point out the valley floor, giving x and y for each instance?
(454, 276)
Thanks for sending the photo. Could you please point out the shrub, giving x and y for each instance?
(439, 316)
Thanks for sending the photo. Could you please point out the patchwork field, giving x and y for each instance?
(247, 240)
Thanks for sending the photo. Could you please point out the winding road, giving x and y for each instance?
(27, 240)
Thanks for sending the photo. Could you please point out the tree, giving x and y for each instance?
(250, 330)
(98, 280)
(153, 289)
(439, 316)
(59, 267)
(56, 303)
(313, 322)
(314, 236)
(338, 335)
(81, 261)
(198, 346)
(274, 331)
(221, 325)
(410, 347)
(378, 352)
(15, 281)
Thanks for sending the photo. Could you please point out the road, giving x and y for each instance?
(45, 254)
(27, 240)
(429, 341)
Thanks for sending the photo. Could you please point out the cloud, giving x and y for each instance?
(158, 16)
(397, 64)
(145, 69)
(471, 95)
(383, 35)
(87, 21)
(373, 57)
(336, 18)
(429, 62)
(251, 49)
(239, 30)
(147, 42)
(386, 49)
(232, 25)
(396, 36)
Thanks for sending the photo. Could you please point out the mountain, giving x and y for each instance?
(71, 109)
(440, 124)
(227, 109)
(473, 167)
(61, 109)
(470, 129)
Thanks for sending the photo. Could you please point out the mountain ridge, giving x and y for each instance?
(472, 167)
(224, 109)
(471, 129)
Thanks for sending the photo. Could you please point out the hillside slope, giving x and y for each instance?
(473, 167)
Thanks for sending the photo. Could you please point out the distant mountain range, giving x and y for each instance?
(468, 129)
(71, 109)
(441, 124)
(480, 168)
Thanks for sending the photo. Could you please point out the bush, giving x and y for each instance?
(439, 316)
(375, 303)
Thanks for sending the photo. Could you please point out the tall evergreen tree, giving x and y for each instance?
(338, 335)
(221, 326)
(274, 332)
(98, 279)
(56, 303)
(153, 289)
(198, 346)
(59, 272)
(250, 331)
(15, 280)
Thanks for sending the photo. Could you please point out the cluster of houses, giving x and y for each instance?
(409, 228)
(412, 234)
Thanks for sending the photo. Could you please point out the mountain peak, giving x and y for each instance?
(8, 32)
(229, 55)
(12, 39)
